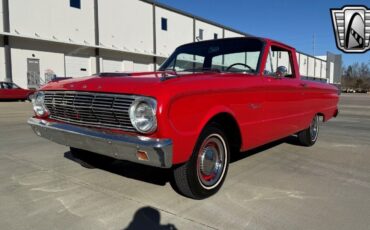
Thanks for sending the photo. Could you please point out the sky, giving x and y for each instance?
(294, 22)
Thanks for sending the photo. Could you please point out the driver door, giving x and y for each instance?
(247, 102)
(283, 96)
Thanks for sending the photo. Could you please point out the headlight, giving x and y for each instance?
(39, 105)
(143, 114)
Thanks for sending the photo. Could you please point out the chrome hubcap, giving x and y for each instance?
(211, 161)
(314, 128)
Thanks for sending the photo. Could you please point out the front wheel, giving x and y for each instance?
(308, 137)
(203, 175)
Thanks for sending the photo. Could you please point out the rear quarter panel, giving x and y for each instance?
(323, 99)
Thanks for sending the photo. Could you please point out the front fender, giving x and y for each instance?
(214, 111)
(186, 118)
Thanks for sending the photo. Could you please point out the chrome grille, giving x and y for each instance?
(90, 109)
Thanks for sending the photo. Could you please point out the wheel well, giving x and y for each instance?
(228, 124)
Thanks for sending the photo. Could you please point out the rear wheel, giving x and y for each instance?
(203, 175)
(308, 137)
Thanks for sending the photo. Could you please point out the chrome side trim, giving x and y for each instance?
(121, 147)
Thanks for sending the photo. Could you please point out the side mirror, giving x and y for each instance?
(281, 71)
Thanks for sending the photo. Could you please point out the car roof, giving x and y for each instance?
(264, 40)
(224, 39)
(279, 43)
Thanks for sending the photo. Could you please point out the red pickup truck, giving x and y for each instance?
(208, 100)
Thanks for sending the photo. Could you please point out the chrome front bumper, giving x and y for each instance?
(121, 147)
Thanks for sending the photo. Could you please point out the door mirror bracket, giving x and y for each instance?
(281, 72)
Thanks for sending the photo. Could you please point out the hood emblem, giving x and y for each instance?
(84, 86)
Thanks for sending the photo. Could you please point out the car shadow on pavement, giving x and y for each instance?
(148, 218)
(292, 140)
(153, 175)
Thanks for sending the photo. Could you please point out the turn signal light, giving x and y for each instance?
(142, 155)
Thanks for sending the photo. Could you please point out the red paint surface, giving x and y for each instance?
(265, 108)
(15, 94)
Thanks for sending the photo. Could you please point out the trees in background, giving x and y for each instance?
(356, 76)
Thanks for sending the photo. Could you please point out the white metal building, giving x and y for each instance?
(43, 38)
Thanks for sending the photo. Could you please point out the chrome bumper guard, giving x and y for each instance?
(118, 146)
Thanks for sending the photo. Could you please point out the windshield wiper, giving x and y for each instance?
(168, 73)
(171, 73)
(203, 70)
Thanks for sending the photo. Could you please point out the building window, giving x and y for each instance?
(75, 3)
(215, 36)
(200, 37)
(164, 24)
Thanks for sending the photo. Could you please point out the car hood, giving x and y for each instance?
(128, 83)
(150, 83)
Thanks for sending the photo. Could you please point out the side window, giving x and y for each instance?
(276, 58)
(14, 86)
(270, 66)
(7, 86)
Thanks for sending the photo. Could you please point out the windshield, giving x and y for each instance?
(240, 55)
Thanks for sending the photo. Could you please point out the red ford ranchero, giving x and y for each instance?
(209, 100)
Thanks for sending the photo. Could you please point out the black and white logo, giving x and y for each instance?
(352, 28)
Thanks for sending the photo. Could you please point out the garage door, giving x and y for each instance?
(112, 66)
(77, 66)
